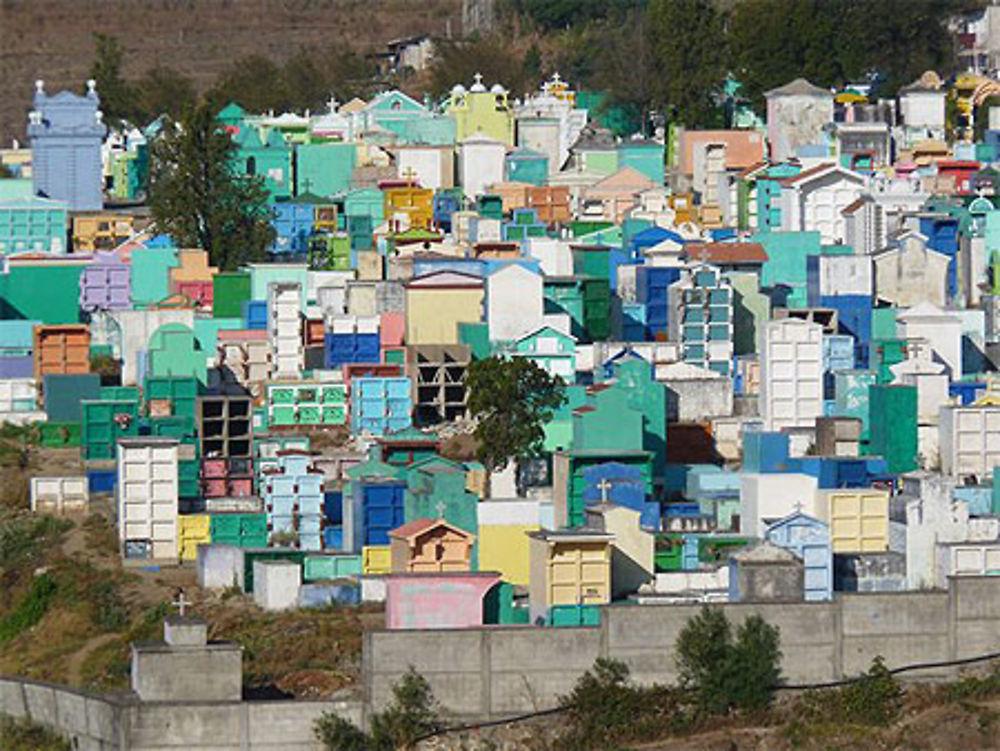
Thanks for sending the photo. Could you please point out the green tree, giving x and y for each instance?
(628, 67)
(561, 14)
(256, 82)
(690, 60)
(118, 98)
(411, 714)
(457, 61)
(197, 198)
(165, 91)
(726, 673)
(512, 399)
(704, 649)
(832, 42)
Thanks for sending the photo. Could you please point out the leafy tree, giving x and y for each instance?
(704, 648)
(560, 14)
(831, 42)
(256, 82)
(690, 59)
(411, 714)
(165, 91)
(726, 673)
(117, 96)
(512, 399)
(756, 663)
(197, 198)
(628, 68)
(457, 61)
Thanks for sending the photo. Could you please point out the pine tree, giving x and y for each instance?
(197, 198)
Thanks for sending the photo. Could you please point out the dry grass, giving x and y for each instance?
(52, 39)
(100, 608)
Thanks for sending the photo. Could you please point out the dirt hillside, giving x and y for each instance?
(52, 39)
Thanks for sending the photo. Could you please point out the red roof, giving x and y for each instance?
(726, 253)
(957, 164)
(812, 171)
(418, 526)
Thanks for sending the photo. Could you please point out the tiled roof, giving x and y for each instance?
(725, 253)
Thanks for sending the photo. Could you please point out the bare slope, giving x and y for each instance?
(52, 39)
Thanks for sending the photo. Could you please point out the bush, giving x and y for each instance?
(26, 538)
(874, 700)
(30, 610)
(605, 709)
(726, 673)
(111, 612)
(975, 686)
(25, 735)
(411, 714)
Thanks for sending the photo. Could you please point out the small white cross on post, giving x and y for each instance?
(181, 603)
(440, 509)
(604, 485)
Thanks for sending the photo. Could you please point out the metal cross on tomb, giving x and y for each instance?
(181, 603)
(604, 485)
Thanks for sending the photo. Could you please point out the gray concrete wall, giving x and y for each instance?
(493, 672)
(107, 724)
(94, 723)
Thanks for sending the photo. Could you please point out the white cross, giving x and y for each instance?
(555, 77)
(478, 78)
(604, 485)
(181, 603)
(440, 509)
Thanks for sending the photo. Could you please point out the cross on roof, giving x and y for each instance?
(478, 78)
(307, 183)
(604, 485)
(410, 174)
(440, 506)
(181, 603)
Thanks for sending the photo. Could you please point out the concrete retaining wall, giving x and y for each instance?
(493, 672)
(94, 723)
(106, 724)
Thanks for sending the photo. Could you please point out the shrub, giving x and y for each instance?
(875, 699)
(25, 735)
(725, 673)
(110, 612)
(975, 686)
(411, 714)
(30, 610)
(605, 709)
